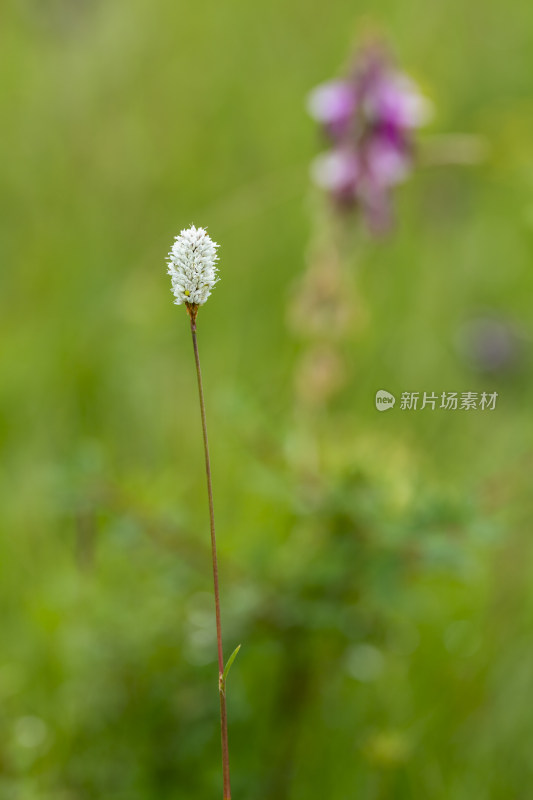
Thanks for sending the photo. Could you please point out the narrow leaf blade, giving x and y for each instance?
(230, 661)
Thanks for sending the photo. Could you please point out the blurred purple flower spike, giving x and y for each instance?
(369, 119)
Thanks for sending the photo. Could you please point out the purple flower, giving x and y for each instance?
(338, 171)
(395, 102)
(369, 119)
(492, 344)
(388, 160)
(333, 105)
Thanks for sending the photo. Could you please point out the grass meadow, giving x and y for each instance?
(376, 567)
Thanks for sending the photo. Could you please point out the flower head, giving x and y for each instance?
(192, 266)
(369, 119)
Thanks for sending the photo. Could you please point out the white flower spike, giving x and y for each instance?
(192, 266)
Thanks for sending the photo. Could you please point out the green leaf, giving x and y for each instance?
(229, 662)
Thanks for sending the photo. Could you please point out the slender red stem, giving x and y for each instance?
(221, 686)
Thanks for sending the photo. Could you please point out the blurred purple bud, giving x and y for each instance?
(395, 101)
(388, 161)
(338, 172)
(490, 344)
(333, 105)
(377, 209)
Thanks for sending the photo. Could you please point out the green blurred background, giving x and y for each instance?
(375, 567)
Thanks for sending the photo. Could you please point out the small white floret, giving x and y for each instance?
(192, 266)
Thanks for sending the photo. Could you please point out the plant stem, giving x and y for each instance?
(221, 682)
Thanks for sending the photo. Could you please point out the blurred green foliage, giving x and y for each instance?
(382, 595)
